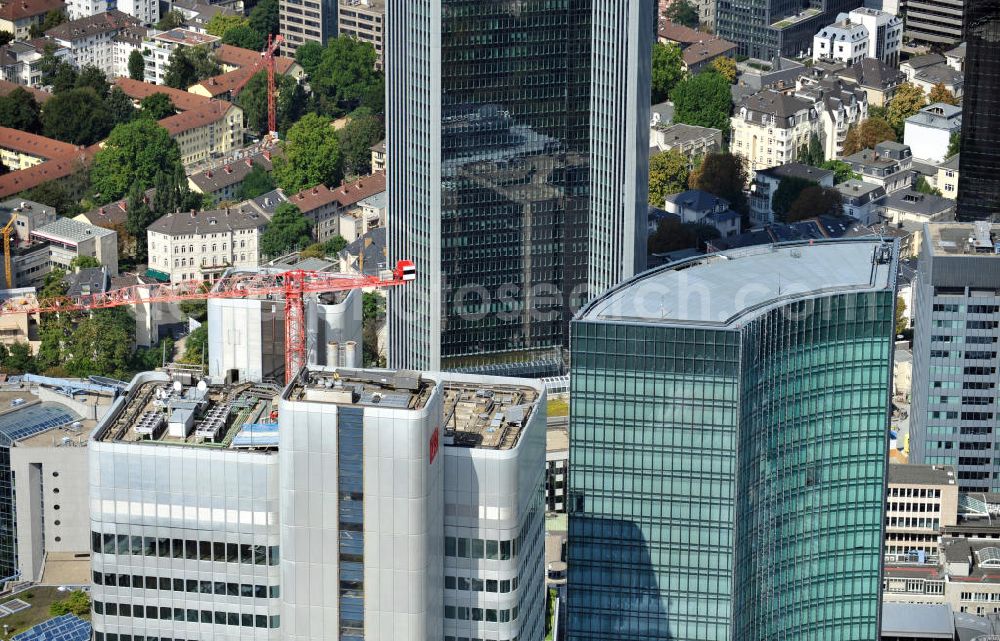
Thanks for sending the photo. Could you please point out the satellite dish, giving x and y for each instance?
(202, 386)
(177, 386)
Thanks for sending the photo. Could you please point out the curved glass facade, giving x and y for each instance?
(728, 477)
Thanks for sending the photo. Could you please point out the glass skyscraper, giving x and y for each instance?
(979, 166)
(729, 448)
(517, 161)
(766, 29)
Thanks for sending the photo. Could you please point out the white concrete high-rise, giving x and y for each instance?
(517, 205)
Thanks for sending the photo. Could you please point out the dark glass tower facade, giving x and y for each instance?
(979, 164)
(518, 178)
(729, 449)
(767, 28)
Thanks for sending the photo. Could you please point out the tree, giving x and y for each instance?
(356, 140)
(346, 78)
(196, 346)
(220, 23)
(77, 603)
(814, 201)
(334, 245)
(316, 250)
(287, 231)
(5, 37)
(133, 154)
(724, 175)
(196, 309)
(940, 93)
(257, 182)
(901, 321)
(866, 135)
(253, 100)
(908, 100)
(671, 234)
(924, 187)
(264, 17)
(139, 216)
(157, 106)
(149, 358)
(17, 359)
(787, 193)
(372, 319)
(76, 116)
(190, 65)
(120, 107)
(58, 73)
(954, 144)
(309, 55)
(101, 344)
(842, 172)
(726, 67)
(136, 65)
(171, 20)
(244, 36)
(20, 110)
(91, 76)
(703, 100)
(53, 18)
(681, 12)
(668, 70)
(312, 156)
(668, 174)
(84, 262)
(812, 154)
(56, 195)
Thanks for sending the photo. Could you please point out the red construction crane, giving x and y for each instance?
(292, 285)
(266, 62)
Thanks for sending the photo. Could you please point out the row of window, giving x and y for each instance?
(490, 615)
(976, 355)
(971, 340)
(914, 507)
(907, 521)
(972, 309)
(980, 596)
(472, 584)
(913, 492)
(186, 614)
(123, 544)
(913, 585)
(957, 324)
(220, 588)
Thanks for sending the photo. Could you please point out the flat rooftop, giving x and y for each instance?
(486, 416)
(964, 239)
(402, 389)
(725, 288)
(922, 474)
(162, 413)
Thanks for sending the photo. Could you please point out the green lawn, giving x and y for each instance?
(558, 407)
(40, 599)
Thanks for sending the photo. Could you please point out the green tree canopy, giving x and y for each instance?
(312, 156)
(139, 216)
(372, 319)
(309, 55)
(171, 20)
(5, 37)
(812, 153)
(257, 182)
(901, 321)
(668, 174)
(120, 107)
(136, 65)
(908, 100)
(291, 103)
(76, 116)
(724, 175)
(346, 78)
(134, 153)
(924, 187)
(703, 100)
(77, 603)
(668, 70)
(244, 36)
(356, 140)
(725, 67)
(17, 359)
(196, 346)
(101, 344)
(264, 18)
(55, 194)
(954, 144)
(287, 231)
(866, 135)
(157, 106)
(940, 93)
(20, 110)
(682, 12)
(671, 235)
(220, 23)
(91, 76)
(189, 65)
(842, 172)
(53, 18)
(787, 192)
(57, 72)
(814, 201)
(84, 262)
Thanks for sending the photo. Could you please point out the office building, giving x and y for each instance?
(920, 501)
(443, 475)
(363, 20)
(515, 205)
(728, 447)
(955, 355)
(184, 513)
(301, 22)
(979, 179)
(766, 29)
(937, 22)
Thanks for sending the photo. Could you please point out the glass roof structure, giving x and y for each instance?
(67, 627)
(32, 420)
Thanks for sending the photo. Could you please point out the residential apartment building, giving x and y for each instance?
(363, 20)
(862, 201)
(839, 105)
(17, 17)
(158, 47)
(502, 191)
(843, 41)
(767, 181)
(692, 141)
(378, 156)
(947, 177)
(878, 80)
(928, 132)
(20, 150)
(700, 207)
(921, 499)
(910, 209)
(212, 130)
(766, 29)
(100, 40)
(935, 22)
(888, 165)
(707, 545)
(20, 61)
(225, 181)
(202, 245)
(955, 356)
(335, 211)
(980, 178)
(304, 21)
(885, 33)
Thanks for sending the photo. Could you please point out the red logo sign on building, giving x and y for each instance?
(435, 444)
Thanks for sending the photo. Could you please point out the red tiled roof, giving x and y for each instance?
(706, 50)
(39, 146)
(19, 9)
(313, 198)
(17, 181)
(6, 87)
(212, 111)
(137, 90)
(680, 34)
(353, 193)
(226, 82)
(240, 57)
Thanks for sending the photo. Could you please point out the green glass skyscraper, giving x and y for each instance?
(728, 439)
